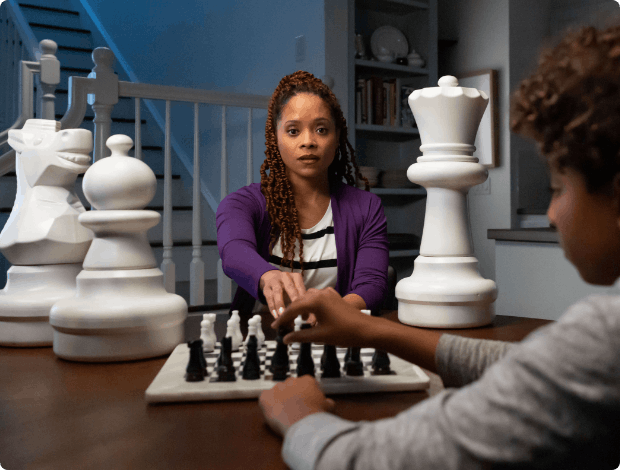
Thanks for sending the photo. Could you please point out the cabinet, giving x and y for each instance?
(392, 145)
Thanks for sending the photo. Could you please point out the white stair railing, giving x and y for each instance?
(102, 89)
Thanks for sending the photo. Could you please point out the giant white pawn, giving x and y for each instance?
(446, 289)
(122, 310)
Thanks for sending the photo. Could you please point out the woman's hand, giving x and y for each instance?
(337, 322)
(280, 289)
(294, 399)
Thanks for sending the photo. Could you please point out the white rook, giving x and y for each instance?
(445, 289)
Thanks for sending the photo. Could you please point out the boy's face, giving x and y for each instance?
(588, 226)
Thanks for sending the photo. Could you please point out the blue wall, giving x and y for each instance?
(234, 46)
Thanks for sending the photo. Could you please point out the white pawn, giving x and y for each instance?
(251, 330)
(260, 336)
(212, 317)
(237, 330)
(298, 322)
(231, 325)
(206, 328)
(367, 312)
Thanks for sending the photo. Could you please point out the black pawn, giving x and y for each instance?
(354, 366)
(329, 363)
(381, 363)
(197, 366)
(251, 366)
(279, 366)
(226, 369)
(305, 363)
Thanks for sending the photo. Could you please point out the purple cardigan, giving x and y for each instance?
(360, 229)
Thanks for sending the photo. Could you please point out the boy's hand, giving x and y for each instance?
(292, 400)
(337, 322)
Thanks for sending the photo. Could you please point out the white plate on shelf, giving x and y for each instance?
(391, 38)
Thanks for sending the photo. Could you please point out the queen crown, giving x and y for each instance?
(448, 114)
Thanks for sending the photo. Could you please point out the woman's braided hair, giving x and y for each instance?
(571, 105)
(276, 187)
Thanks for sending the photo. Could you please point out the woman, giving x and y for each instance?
(260, 227)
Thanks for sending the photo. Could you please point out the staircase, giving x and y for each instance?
(59, 21)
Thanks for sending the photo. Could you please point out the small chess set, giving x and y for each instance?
(234, 368)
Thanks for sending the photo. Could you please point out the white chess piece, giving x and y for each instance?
(446, 289)
(260, 336)
(206, 328)
(298, 322)
(367, 312)
(252, 327)
(237, 331)
(122, 310)
(231, 327)
(43, 239)
(212, 319)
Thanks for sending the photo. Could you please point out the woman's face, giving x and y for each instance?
(307, 138)
(588, 227)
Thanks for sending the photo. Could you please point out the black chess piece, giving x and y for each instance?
(380, 363)
(347, 355)
(305, 362)
(279, 366)
(251, 366)
(196, 370)
(354, 366)
(226, 369)
(329, 363)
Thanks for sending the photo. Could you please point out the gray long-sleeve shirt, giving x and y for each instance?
(551, 401)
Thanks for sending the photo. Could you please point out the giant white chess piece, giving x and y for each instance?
(43, 238)
(122, 310)
(445, 289)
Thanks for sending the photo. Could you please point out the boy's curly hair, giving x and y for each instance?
(276, 187)
(571, 105)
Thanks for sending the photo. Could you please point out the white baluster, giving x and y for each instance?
(49, 77)
(138, 131)
(197, 266)
(105, 88)
(224, 284)
(250, 163)
(167, 265)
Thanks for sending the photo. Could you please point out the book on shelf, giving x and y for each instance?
(379, 102)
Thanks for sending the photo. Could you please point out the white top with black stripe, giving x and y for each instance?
(320, 267)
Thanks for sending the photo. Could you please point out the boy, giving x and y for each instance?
(551, 401)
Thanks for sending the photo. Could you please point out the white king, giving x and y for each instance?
(446, 289)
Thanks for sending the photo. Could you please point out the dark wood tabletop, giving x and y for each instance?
(56, 414)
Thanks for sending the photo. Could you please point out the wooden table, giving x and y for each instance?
(56, 414)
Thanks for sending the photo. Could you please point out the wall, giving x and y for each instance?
(233, 46)
(535, 280)
(482, 29)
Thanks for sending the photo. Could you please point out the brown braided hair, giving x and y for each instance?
(571, 105)
(276, 187)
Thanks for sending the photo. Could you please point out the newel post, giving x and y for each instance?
(103, 100)
(49, 77)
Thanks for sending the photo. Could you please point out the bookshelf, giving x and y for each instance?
(391, 143)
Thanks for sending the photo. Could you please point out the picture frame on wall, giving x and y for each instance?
(487, 144)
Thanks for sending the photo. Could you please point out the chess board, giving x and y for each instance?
(170, 386)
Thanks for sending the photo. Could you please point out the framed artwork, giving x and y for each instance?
(487, 145)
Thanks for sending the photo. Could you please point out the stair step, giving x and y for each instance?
(62, 37)
(60, 28)
(45, 8)
(75, 49)
(114, 119)
(62, 4)
(51, 16)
